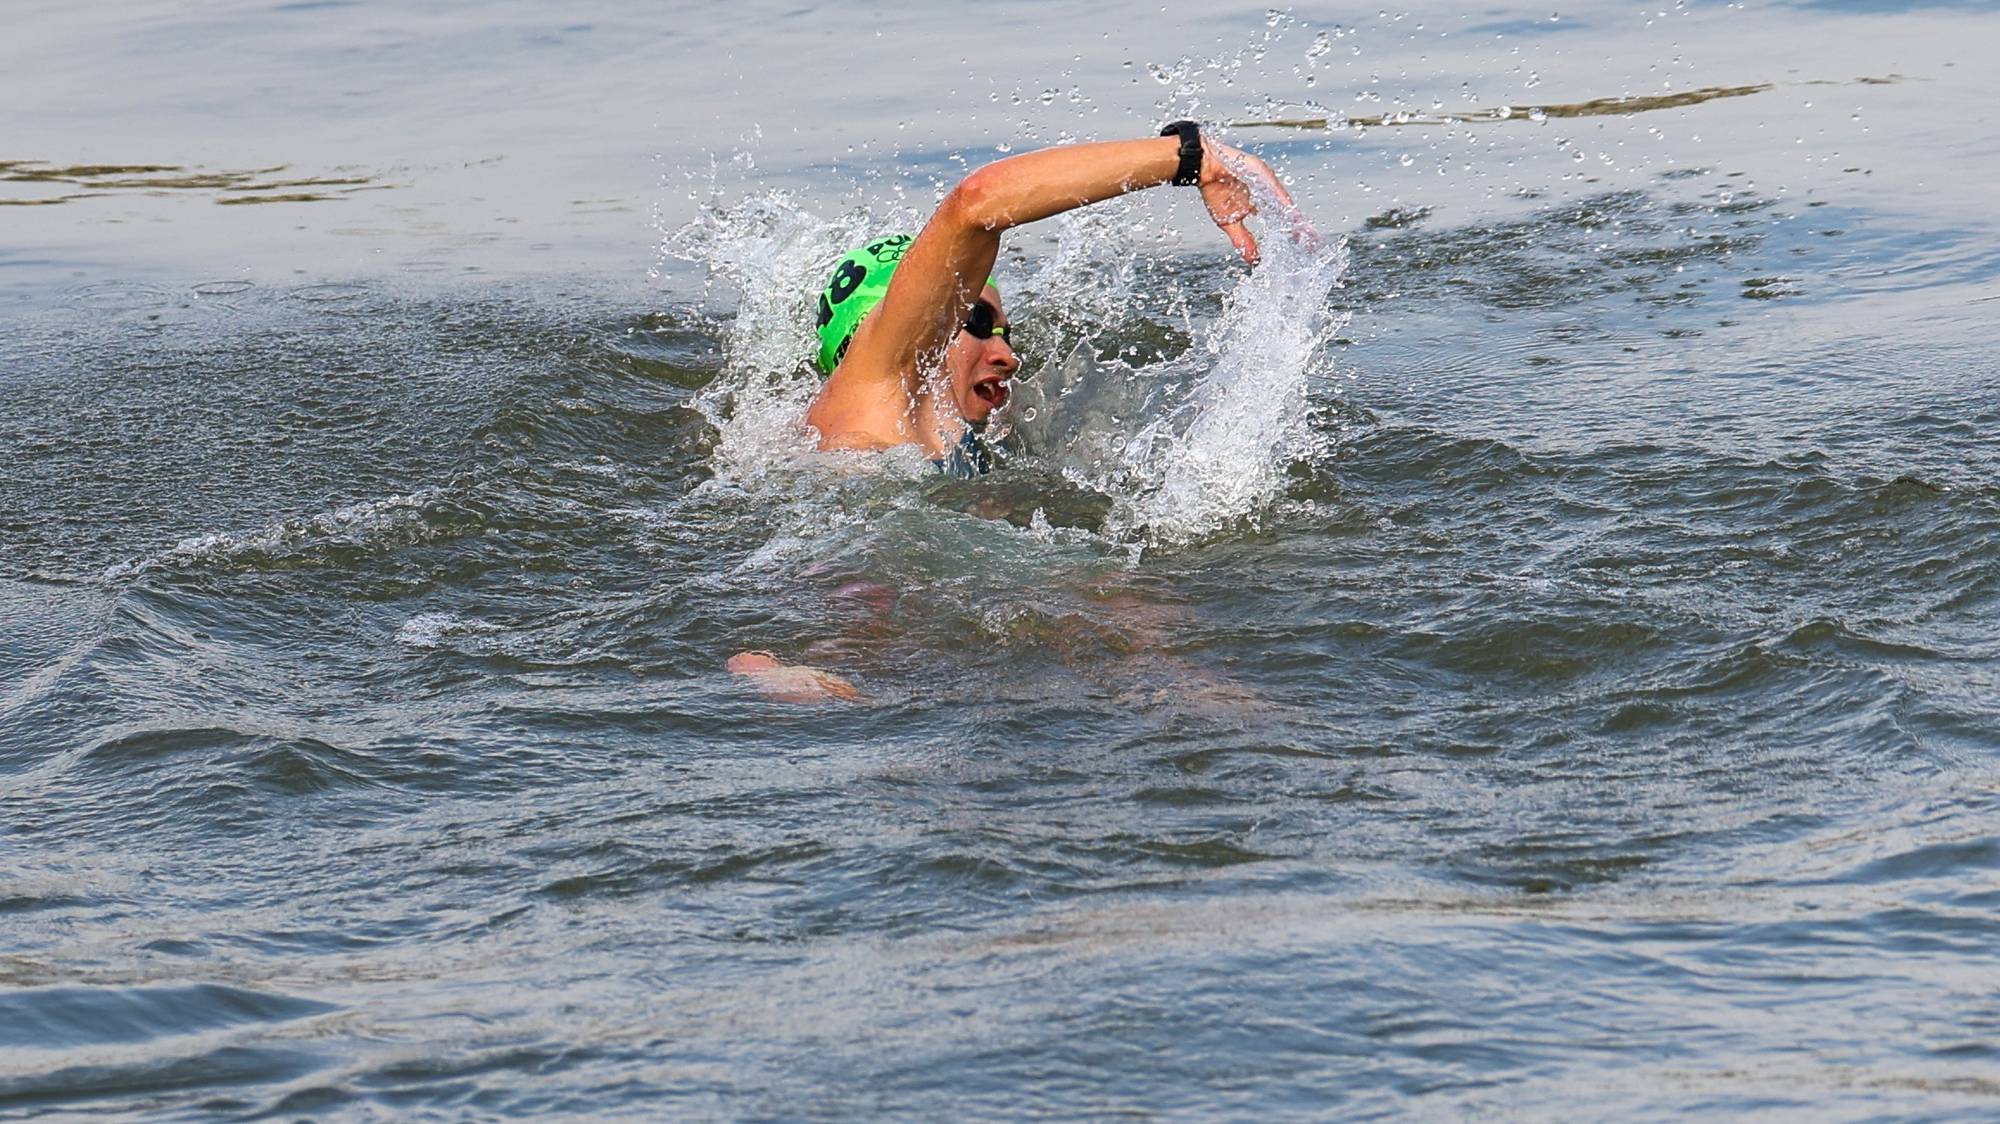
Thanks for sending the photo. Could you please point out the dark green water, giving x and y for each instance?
(1593, 714)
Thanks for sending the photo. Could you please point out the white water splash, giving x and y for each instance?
(431, 630)
(1222, 456)
(1185, 447)
(775, 255)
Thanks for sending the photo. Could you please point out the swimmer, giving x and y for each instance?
(914, 342)
(915, 345)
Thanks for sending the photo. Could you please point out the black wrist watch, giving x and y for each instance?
(1189, 173)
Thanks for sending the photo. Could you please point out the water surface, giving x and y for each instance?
(1537, 652)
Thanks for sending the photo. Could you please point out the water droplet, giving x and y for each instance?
(1538, 117)
(1405, 160)
(1504, 112)
(1047, 97)
(1534, 80)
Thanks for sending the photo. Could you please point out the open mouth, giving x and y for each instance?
(992, 391)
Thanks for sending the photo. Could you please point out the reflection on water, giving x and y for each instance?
(232, 187)
(1534, 114)
(1571, 682)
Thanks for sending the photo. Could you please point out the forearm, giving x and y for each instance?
(1035, 185)
(942, 273)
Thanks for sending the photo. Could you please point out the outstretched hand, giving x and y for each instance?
(1225, 188)
(792, 683)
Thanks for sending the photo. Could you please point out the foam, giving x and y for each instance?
(1186, 447)
(392, 521)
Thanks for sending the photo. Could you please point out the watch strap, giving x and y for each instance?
(1188, 173)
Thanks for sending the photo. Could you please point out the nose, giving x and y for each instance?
(1000, 353)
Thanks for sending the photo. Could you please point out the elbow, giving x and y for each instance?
(977, 201)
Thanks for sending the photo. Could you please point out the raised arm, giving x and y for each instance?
(945, 268)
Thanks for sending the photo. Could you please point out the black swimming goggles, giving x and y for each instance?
(980, 322)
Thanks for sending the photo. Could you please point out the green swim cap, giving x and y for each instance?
(857, 285)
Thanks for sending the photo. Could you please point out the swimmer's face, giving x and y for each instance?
(979, 369)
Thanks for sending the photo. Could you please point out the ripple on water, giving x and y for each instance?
(331, 292)
(233, 782)
(222, 288)
(338, 538)
(144, 1042)
(57, 1018)
(1597, 715)
(115, 297)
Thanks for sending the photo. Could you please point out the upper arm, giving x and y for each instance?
(944, 269)
(936, 282)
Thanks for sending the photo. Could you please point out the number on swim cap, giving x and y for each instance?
(859, 282)
(846, 279)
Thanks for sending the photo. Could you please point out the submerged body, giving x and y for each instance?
(925, 359)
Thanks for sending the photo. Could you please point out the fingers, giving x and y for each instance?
(1304, 233)
(1226, 207)
(1230, 200)
(835, 686)
(1245, 242)
(1229, 204)
(1270, 179)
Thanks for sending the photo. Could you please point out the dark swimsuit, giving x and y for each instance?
(968, 458)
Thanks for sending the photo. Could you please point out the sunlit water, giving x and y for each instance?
(1529, 653)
